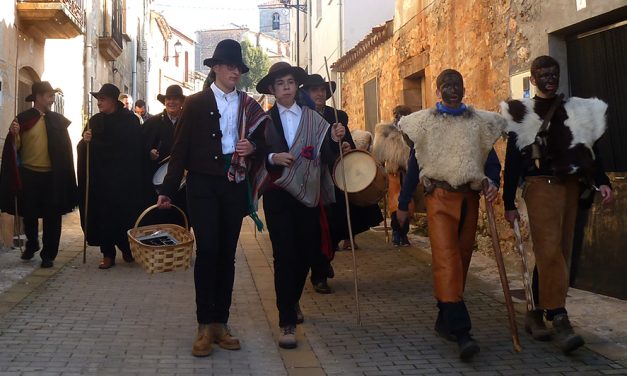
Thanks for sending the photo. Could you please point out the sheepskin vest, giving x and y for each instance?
(453, 148)
(390, 149)
(570, 137)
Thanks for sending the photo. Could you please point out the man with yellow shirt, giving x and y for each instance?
(38, 167)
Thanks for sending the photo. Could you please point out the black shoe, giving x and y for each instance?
(46, 263)
(127, 256)
(534, 325)
(300, 318)
(445, 335)
(28, 254)
(322, 288)
(565, 337)
(468, 347)
(330, 272)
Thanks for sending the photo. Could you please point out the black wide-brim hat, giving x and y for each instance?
(278, 70)
(107, 90)
(171, 91)
(228, 51)
(317, 80)
(40, 87)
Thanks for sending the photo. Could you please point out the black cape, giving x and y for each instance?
(61, 157)
(116, 164)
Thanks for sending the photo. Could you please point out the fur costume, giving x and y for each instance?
(362, 139)
(453, 148)
(586, 120)
(390, 149)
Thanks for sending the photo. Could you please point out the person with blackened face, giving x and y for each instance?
(452, 155)
(549, 149)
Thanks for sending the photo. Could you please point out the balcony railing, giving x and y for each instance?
(55, 19)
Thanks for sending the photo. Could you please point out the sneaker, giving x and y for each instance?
(322, 287)
(534, 325)
(287, 338)
(300, 318)
(221, 335)
(404, 242)
(47, 263)
(565, 337)
(468, 347)
(202, 344)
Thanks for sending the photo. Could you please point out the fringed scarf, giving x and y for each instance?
(306, 179)
(250, 115)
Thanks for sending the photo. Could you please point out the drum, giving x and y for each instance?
(159, 176)
(365, 178)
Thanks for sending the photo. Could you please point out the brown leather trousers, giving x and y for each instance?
(552, 208)
(452, 220)
(394, 190)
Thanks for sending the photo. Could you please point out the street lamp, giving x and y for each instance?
(302, 8)
(178, 48)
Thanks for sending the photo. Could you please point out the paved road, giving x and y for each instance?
(76, 319)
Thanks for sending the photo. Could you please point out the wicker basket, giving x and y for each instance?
(162, 258)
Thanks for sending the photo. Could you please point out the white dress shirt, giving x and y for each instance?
(290, 119)
(228, 105)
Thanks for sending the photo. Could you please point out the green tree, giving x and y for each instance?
(258, 63)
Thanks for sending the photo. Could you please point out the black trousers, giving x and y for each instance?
(37, 201)
(216, 209)
(295, 234)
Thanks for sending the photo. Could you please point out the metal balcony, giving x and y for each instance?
(51, 19)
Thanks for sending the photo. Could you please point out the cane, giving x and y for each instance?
(525, 267)
(16, 218)
(86, 197)
(348, 214)
(385, 214)
(502, 273)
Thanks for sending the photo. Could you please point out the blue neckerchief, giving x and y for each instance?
(450, 111)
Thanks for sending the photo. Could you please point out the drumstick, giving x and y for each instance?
(348, 213)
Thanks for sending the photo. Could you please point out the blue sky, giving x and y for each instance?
(191, 15)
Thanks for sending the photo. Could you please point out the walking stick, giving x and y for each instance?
(525, 268)
(385, 214)
(86, 198)
(348, 214)
(16, 219)
(502, 273)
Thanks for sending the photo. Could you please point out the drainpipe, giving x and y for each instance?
(310, 37)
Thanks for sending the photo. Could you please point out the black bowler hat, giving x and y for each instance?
(229, 52)
(317, 80)
(278, 70)
(40, 87)
(171, 91)
(107, 90)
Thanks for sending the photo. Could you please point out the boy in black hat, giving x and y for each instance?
(115, 173)
(362, 218)
(295, 184)
(44, 179)
(219, 140)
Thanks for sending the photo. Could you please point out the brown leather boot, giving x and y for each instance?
(534, 325)
(222, 336)
(202, 345)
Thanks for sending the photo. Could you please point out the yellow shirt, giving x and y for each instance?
(33, 147)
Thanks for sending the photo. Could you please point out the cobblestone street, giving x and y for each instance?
(74, 319)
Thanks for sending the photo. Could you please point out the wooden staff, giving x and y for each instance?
(511, 314)
(16, 218)
(86, 197)
(525, 268)
(385, 213)
(348, 214)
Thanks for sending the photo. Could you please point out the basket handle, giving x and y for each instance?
(150, 208)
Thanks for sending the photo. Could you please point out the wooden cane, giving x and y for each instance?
(525, 267)
(86, 198)
(348, 214)
(511, 314)
(16, 220)
(385, 214)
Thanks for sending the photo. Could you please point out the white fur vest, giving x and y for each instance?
(586, 120)
(453, 148)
